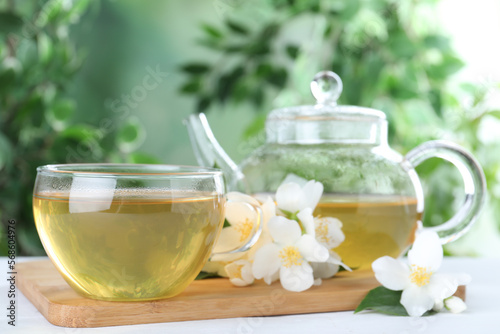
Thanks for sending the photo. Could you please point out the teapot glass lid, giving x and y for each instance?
(326, 87)
(326, 121)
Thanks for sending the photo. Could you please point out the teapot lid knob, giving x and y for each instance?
(326, 87)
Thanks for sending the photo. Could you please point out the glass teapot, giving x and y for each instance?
(373, 190)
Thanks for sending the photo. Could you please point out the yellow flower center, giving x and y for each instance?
(420, 275)
(290, 256)
(245, 229)
(322, 232)
(235, 271)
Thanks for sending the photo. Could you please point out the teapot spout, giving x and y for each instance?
(209, 153)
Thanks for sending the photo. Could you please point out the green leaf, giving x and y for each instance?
(131, 135)
(191, 87)
(63, 109)
(27, 53)
(80, 132)
(240, 92)
(77, 9)
(204, 274)
(45, 48)
(263, 70)
(196, 68)
(341, 269)
(226, 223)
(494, 113)
(435, 98)
(33, 106)
(270, 31)
(224, 87)
(212, 31)
(292, 51)
(10, 23)
(10, 70)
(255, 127)
(211, 44)
(60, 113)
(50, 12)
(350, 9)
(258, 97)
(235, 48)
(401, 46)
(227, 82)
(401, 86)
(328, 30)
(449, 65)
(203, 103)
(236, 27)
(257, 49)
(6, 154)
(278, 78)
(384, 301)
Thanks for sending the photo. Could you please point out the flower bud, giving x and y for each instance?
(455, 304)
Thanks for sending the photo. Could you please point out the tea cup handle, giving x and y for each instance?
(257, 226)
(474, 184)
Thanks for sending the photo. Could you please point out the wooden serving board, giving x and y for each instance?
(205, 299)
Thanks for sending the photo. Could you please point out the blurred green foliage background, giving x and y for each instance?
(111, 81)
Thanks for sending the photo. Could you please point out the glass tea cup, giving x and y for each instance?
(123, 232)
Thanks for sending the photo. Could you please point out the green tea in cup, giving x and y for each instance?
(128, 232)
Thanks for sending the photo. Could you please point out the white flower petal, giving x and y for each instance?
(391, 273)
(284, 231)
(265, 238)
(441, 286)
(238, 282)
(238, 213)
(329, 231)
(240, 197)
(293, 178)
(311, 250)
(273, 278)
(266, 261)
(324, 269)
(268, 211)
(246, 272)
(455, 304)
(297, 278)
(438, 305)
(336, 260)
(312, 191)
(416, 301)
(427, 251)
(240, 272)
(306, 218)
(290, 197)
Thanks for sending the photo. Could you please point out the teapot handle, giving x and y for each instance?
(474, 184)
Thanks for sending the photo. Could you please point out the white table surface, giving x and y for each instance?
(482, 315)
